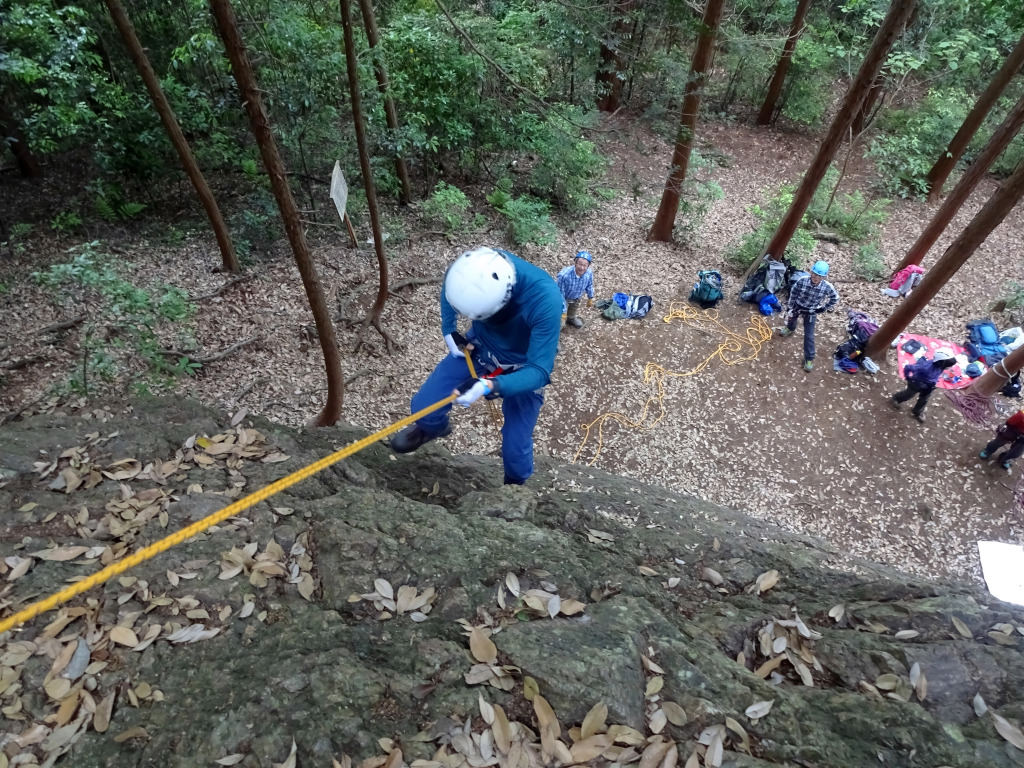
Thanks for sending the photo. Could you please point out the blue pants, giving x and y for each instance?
(520, 413)
(810, 320)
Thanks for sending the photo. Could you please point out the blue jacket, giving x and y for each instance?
(923, 373)
(527, 336)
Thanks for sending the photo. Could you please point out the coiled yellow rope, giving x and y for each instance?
(757, 333)
(198, 527)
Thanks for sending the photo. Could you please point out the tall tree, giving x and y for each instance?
(252, 100)
(163, 108)
(944, 166)
(987, 219)
(11, 135)
(352, 65)
(779, 78)
(611, 68)
(892, 26)
(390, 113)
(1004, 134)
(665, 219)
(866, 109)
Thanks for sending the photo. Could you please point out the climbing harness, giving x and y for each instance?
(491, 407)
(757, 333)
(217, 517)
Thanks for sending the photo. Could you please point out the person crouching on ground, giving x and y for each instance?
(922, 377)
(515, 309)
(810, 296)
(1010, 434)
(574, 281)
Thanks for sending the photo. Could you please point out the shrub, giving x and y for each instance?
(447, 206)
(869, 263)
(529, 219)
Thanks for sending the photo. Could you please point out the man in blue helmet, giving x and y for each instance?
(809, 296)
(516, 312)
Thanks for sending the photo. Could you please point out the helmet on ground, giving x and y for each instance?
(479, 283)
(583, 255)
(942, 354)
(820, 268)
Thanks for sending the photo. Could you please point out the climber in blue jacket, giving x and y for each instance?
(516, 314)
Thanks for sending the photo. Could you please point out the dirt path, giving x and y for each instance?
(821, 453)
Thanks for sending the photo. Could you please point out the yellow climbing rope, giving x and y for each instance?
(492, 407)
(217, 517)
(757, 333)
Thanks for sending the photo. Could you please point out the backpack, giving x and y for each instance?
(707, 291)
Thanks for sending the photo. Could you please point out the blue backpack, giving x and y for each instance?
(707, 291)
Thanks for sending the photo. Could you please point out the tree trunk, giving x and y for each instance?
(352, 65)
(869, 104)
(990, 382)
(779, 78)
(163, 108)
(940, 171)
(665, 219)
(610, 71)
(252, 99)
(1004, 134)
(892, 26)
(974, 234)
(28, 166)
(390, 113)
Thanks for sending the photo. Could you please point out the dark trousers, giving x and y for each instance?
(810, 320)
(923, 392)
(1007, 436)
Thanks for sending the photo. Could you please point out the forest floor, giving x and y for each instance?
(822, 453)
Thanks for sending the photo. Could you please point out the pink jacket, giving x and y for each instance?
(903, 274)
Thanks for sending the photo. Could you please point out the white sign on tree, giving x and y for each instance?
(339, 189)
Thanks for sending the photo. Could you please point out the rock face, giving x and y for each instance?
(333, 676)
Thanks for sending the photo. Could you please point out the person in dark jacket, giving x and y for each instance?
(922, 377)
(1010, 434)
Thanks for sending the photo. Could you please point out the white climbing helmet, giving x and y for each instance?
(480, 283)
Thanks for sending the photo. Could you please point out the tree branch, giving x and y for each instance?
(212, 358)
(219, 291)
(48, 329)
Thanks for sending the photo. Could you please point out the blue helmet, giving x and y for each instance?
(583, 255)
(820, 268)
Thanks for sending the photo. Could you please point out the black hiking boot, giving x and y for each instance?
(411, 438)
(919, 416)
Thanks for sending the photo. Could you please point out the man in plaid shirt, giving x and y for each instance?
(810, 295)
(574, 281)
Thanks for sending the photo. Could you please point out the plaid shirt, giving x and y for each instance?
(574, 287)
(806, 296)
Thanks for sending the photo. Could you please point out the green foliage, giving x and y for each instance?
(567, 166)
(447, 206)
(17, 237)
(529, 219)
(850, 215)
(1013, 295)
(112, 205)
(65, 221)
(127, 318)
(869, 263)
(911, 140)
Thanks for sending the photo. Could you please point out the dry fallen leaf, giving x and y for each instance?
(289, 761)
(710, 574)
(759, 709)
(137, 732)
(481, 647)
(486, 710)
(962, 628)
(675, 713)
(1009, 731)
(594, 722)
(512, 582)
(658, 721)
(906, 634)
(766, 581)
(530, 688)
(124, 636)
(654, 685)
(980, 708)
(837, 612)
(231, 759)
(648, 571)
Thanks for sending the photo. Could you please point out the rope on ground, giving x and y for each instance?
(978, 410)
(729, 352)
(231, 510)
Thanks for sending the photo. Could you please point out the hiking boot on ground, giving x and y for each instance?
(919, 417)
(895, 403)
(983, 455)
(808, 365)
(575, 322)
(785, 332)
(411, 438)
(1006, 465)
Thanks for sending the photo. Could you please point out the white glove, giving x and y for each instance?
(452, 346)
(474, 393)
